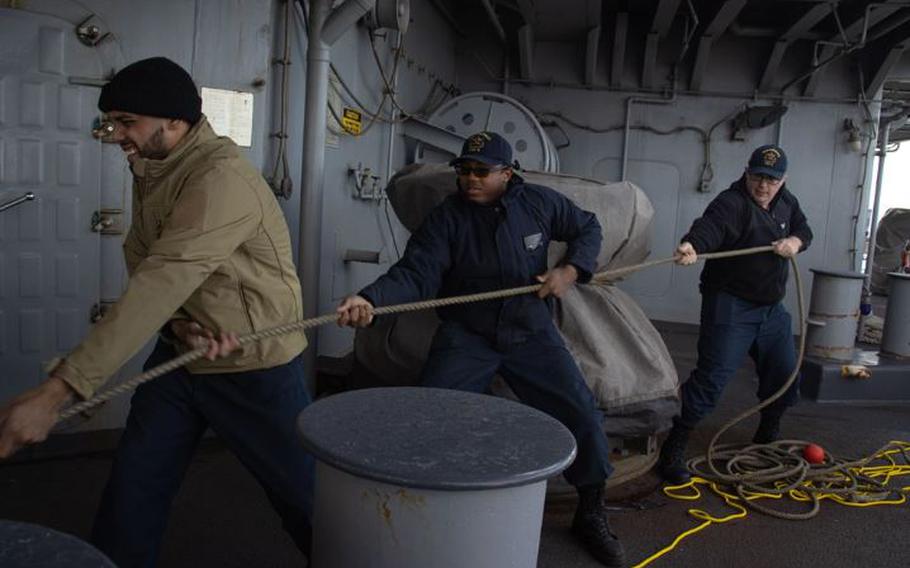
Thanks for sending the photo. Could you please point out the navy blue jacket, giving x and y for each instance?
(465, 248)
(733, 221)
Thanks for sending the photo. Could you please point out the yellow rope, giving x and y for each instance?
(190, 356)
(852, 484)
(771, 471)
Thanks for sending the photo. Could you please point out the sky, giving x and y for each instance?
(896, 183)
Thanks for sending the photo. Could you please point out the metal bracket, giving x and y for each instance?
(366, 183)
(365, 256)
(90, 34)
(100, 310)
(108, 222)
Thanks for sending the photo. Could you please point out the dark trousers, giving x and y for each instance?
(541, 372)
(730, 328)
(254, 412)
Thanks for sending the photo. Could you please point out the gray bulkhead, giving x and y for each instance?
(586, 61)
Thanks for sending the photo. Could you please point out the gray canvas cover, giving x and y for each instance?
(621, 355)
(890, 238)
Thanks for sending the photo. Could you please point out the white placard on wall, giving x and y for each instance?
(230, 113)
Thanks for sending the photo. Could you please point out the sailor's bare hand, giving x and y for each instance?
(788, 247)
(557, 281)
(222, 346)
(685, 254)
(355, 311)
(28, 418)
(195, 336)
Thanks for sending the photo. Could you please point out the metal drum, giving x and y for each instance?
(833, 314)
(532, 147)
(413, 477)
(896, 333)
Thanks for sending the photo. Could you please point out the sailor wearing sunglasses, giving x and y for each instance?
(493, 234)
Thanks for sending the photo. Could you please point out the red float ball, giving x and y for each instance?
(814, 453)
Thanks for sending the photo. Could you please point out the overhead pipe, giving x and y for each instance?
(750, 95)
(343, 18)
(326, 26)
(494, 19)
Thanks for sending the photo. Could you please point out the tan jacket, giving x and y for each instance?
(208, 242)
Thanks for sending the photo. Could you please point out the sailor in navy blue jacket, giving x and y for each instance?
(494, 234)
(741, 309)
(464, 247)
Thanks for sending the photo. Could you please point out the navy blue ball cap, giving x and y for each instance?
(486, 147)
(769, 160)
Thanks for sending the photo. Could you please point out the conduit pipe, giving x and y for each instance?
(628, 126)
(326, 26)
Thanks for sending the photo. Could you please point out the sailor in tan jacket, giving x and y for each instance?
(208, 252)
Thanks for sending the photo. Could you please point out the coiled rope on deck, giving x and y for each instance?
(195, 354)
(773, 471)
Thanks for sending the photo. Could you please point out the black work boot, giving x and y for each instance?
(591, 528)
(672, 462)
(768, 430)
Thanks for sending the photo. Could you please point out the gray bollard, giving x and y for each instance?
(24, 545)
(833, 314)
(896, 332)
(412, 477)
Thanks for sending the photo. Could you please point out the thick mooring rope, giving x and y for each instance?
(754, 471)
(190, 356)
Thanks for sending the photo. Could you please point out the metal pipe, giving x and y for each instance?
(505, 71)
(343, 17)
(873, 224)
(780, 130)
(321, 19)
(868, 162)
(756, 31)
(494, 19)
(661, 90)
(627, 126)
(393, 82)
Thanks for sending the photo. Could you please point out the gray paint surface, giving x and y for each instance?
(436, 438)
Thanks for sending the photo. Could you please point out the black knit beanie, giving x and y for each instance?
(153, 87)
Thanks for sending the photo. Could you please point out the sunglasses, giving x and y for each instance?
(479, 171)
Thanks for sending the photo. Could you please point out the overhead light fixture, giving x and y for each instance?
(755, 117)
(854, 135)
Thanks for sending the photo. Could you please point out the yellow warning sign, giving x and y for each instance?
(352, 120)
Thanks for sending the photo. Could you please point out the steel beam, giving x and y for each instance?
(722, 20)
(650, 60)
(593, 41)
(526, 51)
(871, 16)
(878, 78)
(805, 23)
(619, 48)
